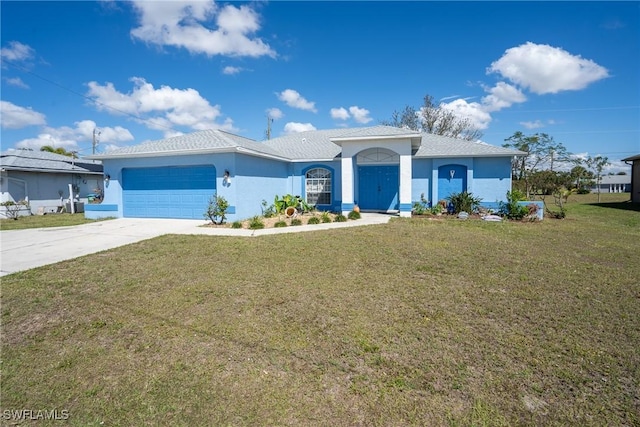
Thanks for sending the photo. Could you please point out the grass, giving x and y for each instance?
(416, 322)
(42, 221)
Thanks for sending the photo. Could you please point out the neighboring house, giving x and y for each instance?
(42, 178)
(635, 177)
(379, 168)
(613, 184)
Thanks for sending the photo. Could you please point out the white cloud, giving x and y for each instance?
(16, 52)
(17, 82)
(69, 137)
(546, 69)
(360, 115)
(502, 95)
(15, 117)
(532, 125)
(229, 70)
(293, 99)
(161, 108)
(275, 113)
(474, 111)
(293, 127)
(186, 24)
(340, 113)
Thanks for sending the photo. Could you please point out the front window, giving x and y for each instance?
(318, 186)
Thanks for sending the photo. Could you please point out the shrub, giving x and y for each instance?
(280, 224)
(296, 221)
(236, 224)
(340, 218)
(464, 201)
(256, 223)
(512, 209)
(325, 217)
(354, 215)
(268, 211)
(421, 207)
(314, 220)
(217, 208)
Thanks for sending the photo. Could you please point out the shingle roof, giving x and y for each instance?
(43, 161)
(442, 146)
(309, 145)
(211, 140)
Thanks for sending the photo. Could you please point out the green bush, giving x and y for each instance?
(512, 209)
(354, 215)
(340, 218)
(217, 208)
(296, 221)
(236, 224)
(325, 217)
(256, 223)
(314, 220)
(464, 201)
(280, 224)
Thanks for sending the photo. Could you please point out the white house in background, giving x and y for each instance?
(43, 178)
(613, 184)
(379, 168)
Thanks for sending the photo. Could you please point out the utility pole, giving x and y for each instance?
(96, 134)
(269, 121)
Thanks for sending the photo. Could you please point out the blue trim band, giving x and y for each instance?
(405, 207)
(347, 206)
(100, 208)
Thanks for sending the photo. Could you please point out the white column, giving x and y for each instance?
(347, 184)
(405, 185)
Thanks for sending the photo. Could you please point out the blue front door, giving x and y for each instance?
(168, 192)
(451, 182)
(378, 187)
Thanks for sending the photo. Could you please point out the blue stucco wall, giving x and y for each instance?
(252, 180)
(491, 179)
(421, 171)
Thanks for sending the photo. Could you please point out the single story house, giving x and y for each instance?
(635, 177)
(42, 178)
(378, 168)
(613, 184)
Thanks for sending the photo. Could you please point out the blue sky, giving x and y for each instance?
(145, 70)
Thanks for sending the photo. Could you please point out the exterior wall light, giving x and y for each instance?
(107, 178)
(226, 178)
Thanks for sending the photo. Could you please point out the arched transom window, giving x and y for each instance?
(318, 186)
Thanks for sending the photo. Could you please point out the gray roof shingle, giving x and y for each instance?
(442, 146)
(309, 145)
(202, 141)
(43, 161)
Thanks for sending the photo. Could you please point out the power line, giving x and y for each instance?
(150, 121)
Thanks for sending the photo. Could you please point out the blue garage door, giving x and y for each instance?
(378, 187)
(167, 192)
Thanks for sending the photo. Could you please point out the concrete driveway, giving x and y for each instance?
(25, 249)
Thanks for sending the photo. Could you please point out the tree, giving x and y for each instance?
(436, 119)
(58, 150)
(597, 165)
(541, 150)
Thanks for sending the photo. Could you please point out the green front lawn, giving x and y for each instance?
(416, 322)
(49, 220)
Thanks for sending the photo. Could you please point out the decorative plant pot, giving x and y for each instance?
(356, 208)
(290, 211)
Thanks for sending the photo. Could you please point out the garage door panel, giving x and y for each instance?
(168, 192)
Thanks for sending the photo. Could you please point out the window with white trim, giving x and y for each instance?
(318, 186)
